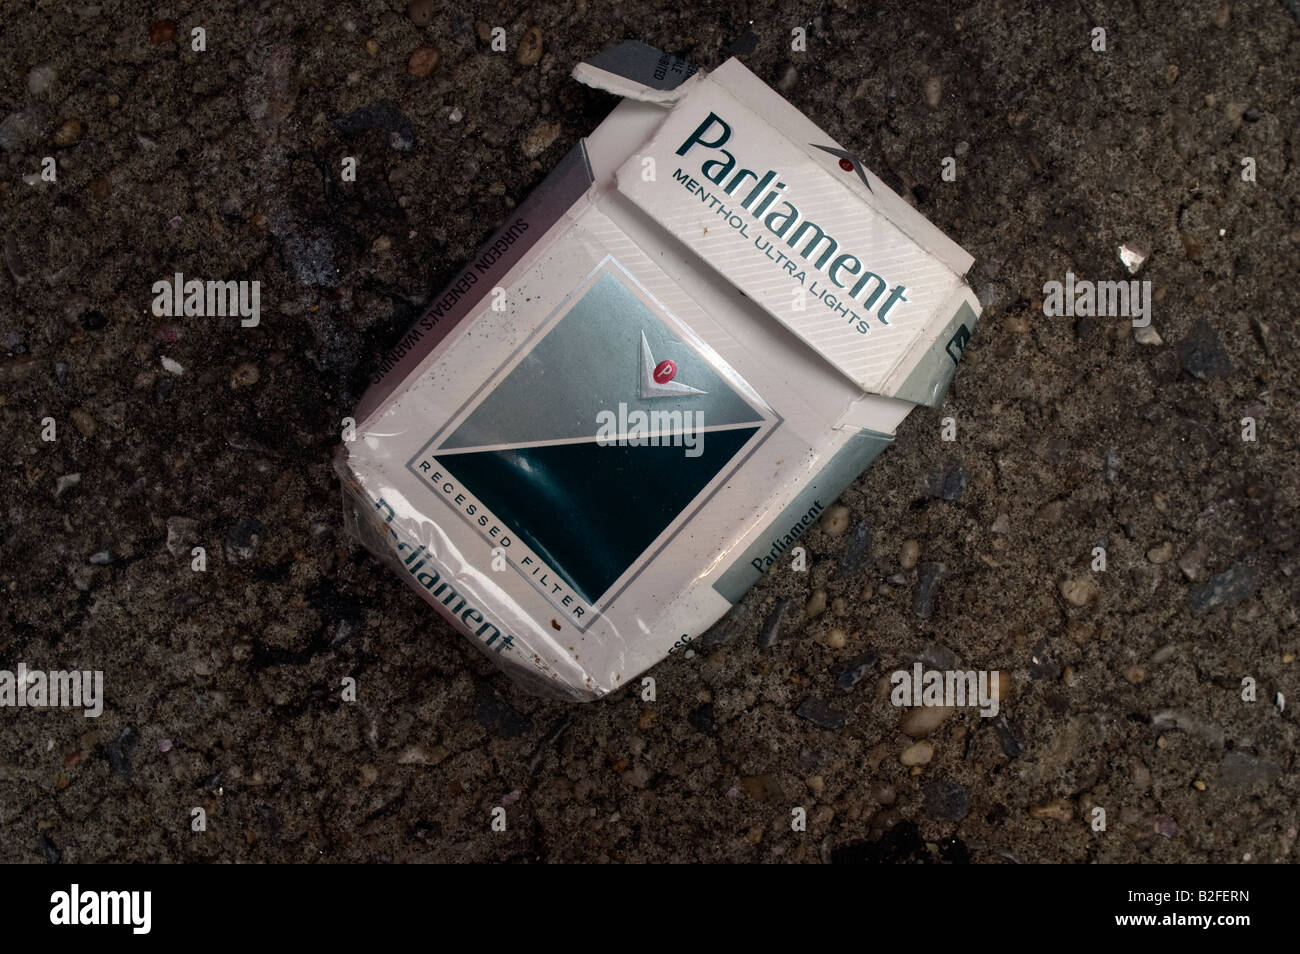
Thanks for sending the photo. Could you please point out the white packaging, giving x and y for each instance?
(701, 327)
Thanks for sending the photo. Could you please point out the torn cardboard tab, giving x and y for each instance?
(637, 71)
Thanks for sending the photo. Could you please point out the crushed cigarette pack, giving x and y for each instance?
(662, 370)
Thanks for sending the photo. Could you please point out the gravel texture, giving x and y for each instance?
(224, 689)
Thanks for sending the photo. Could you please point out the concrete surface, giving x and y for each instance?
(223, 688)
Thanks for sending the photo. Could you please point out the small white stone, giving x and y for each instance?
(1147, 336)
(172, 367)
(1132, 256)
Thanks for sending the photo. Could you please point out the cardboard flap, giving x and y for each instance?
(636, 70)
(800, 239)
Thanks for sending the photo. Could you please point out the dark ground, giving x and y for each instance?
(223, 688)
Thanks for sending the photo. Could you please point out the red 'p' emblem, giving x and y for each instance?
(665, 371)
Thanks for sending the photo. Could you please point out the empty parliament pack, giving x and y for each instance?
(700, 328)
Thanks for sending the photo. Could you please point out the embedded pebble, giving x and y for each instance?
(858, 549)
(835, 520)
(933, 91)
(422, 62)
(1133, 256)
(1147, 335)
(243, 539)
(908, 554)
(1192, 562)
(1002, 524)
(817, 711)
(857, 670)
(836, 639)
(372, 47)
(1232, 586)
(948, 485)
(83, 422)
(1185, 721)
(68, 133)
(1110, 467)
(1062, 809)
(118, 753)
(1164, 826)
(41, 77)
(539, 138)
(66, 483)
(1161, 554)
(1079, 591)
(422, 755)
(164, 31)
(771, 631)
(244, 375)
(530, 47)
(816, 605)
(946, 800)
(171, 366)
(1202, 353)
(920, 721)
(182, 532)
(1011, 746)
(918, 753)
(1163, 653)
(927, 582)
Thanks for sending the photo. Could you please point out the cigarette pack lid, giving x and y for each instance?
(799, 225)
